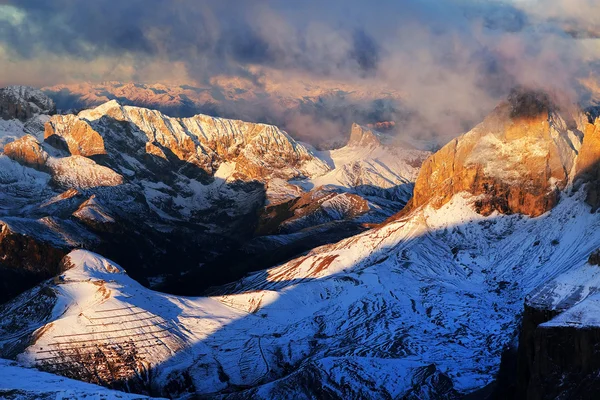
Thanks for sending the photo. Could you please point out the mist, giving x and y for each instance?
(435, 68)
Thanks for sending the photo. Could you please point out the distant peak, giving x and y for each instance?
(361, 136)
(108, 105)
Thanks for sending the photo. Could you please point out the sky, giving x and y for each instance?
(445, 57)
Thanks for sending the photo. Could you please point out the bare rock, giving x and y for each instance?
(516, 161)
(27, 151)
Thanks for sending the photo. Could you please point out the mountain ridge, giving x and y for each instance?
(200, 182)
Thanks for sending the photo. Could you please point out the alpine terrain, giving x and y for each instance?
(481, 284)
(177, 199)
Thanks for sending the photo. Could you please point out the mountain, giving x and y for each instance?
(24, 103)
(169, 197)
(301, 107)
(425, 305)
(534, 150)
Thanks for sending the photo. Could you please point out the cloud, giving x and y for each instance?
(450, 60)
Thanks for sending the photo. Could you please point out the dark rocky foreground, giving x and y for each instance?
(557, 362)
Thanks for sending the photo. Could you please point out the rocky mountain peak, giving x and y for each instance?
(361, 136)
(27, 151)
(527, 103)
(593, 114)
(23, 103)
(516, 161)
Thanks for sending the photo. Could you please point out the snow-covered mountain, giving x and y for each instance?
(149, 191)
(301, 106)
(534, 148)
(427, 305)
(24, 103)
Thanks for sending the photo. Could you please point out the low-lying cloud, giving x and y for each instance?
(442, 64)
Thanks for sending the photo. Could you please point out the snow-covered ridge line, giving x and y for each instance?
(206, 142)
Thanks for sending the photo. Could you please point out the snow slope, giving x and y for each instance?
(423, 306)
(367, 164)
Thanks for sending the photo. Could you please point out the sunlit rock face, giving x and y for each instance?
(259, 151)
(73, 172)
(361, 136)
(516, 161)
(185, 192)
(27, 151)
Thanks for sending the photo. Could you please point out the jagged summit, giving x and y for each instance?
(516, 161)
(361, 136)
(529, 103)
(186, 191)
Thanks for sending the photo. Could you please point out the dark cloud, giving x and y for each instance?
(452, 60)
(365, 51)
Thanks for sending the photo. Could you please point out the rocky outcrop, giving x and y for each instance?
(77, 172)
(588, 162)
(361, 136)
(26, 259)
(23, 103)
(74, 172)
(311, 209)
(560, 337)
(517, 161)
(81, 140)
(528, 360)
(27, 151)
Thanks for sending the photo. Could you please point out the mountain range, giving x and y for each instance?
(150, 190)
(394, 273)
(303, 108)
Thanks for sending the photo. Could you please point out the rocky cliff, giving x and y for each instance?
(558, 347)
(257, 151)
(517, 161)
(588, 164)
